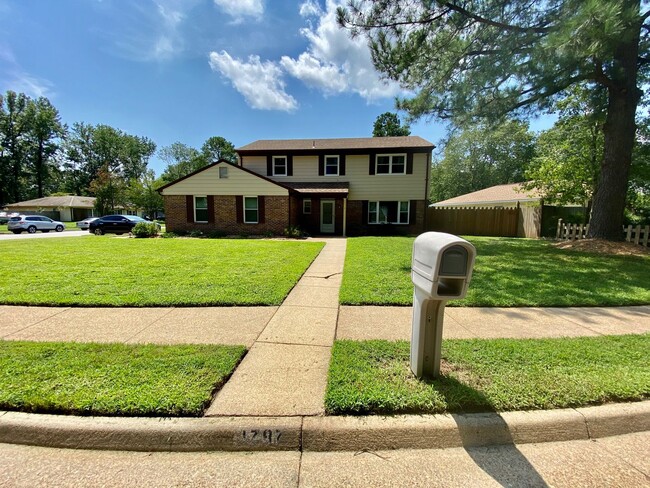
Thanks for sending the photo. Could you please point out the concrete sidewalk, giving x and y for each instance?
(249, 325)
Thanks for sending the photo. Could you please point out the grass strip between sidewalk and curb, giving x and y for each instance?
(508, 273)
(374, 377)
(115, 272)
(113, 379)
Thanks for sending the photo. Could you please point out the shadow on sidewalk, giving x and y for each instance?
(487, 439)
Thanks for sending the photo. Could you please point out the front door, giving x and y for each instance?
(327, 216)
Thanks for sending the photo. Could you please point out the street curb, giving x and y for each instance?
(323, 433)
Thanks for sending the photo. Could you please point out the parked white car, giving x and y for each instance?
(85, 223)
(32, 223)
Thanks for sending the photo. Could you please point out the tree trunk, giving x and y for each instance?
(619, 131)
(39, 169)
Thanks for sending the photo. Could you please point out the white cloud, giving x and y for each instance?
(238, 9)
(260, 83)
(333, 58)
(310, 8)
(311, 71)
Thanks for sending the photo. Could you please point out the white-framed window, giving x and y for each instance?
(390, 164)
(251, 214)
(331, 165)
(389, 212)
(223, 172)
(200, 209)
(279, 166)
(306, 206)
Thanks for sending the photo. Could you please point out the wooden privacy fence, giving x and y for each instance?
(476, 221)
(633, 233)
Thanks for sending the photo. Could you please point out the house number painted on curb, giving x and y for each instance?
(259, 436)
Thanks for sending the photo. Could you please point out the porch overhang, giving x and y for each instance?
(319, 189)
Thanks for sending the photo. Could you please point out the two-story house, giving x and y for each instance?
(350, 186)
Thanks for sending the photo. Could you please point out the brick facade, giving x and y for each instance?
(276, 216)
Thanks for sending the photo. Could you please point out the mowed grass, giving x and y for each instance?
(507, 273)
(108, 271)
(112, 379)
(373, 377)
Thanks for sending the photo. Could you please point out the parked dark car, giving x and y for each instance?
(115, 224)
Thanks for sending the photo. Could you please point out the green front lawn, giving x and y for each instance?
(105, 271)
(508, 273)
(487, 375)
(112, 379)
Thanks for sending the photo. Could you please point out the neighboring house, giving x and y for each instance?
(65, 208)
(371, 185)
(68, 208)
(508, 195)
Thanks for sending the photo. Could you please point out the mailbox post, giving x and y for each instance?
(441, 270)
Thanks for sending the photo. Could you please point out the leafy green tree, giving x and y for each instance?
(388, 125)
(181, 160)
(216, 148)
(481, 59)
(44, 132)
(12, 145)
(480, 157)
(110, 191)
(142, 194)
(91, 149)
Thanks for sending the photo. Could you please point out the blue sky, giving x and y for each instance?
(185, 70)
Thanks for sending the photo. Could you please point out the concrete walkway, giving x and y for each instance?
(285, 371)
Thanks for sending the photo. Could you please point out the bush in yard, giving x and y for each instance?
(145, 229)
(293, 231)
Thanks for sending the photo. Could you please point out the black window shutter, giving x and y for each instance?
(239, 205)
(412, 207)
(269, 165)
(260, 209)
(290, 165)
(321, 164)
(189, 205)
(210, 209)
(371, 165)
(342, 165)
(409, 163)
(364, 211)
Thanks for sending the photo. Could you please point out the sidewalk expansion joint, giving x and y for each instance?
(293, 344)
(589, 435)
(38, 322)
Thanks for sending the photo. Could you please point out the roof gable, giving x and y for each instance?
(512, 192)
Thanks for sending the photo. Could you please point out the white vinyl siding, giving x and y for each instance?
(239, 182)
(362, 185)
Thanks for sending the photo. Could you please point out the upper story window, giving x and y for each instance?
(390, 164)
(223, 172)
(331, 165)
(279, 166)
(200, 209)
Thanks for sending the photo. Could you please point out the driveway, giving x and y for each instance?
(40, 235)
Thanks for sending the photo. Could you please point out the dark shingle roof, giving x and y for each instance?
(337, 144)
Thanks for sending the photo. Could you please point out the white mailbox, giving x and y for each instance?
(441, 270)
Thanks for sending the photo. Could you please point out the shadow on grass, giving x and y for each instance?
(486, 436)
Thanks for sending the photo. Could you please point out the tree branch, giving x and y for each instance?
(493, 23)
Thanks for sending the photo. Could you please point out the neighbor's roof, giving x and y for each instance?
(511, 192)
(337, 144)
(65, 201)
(318, 187)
